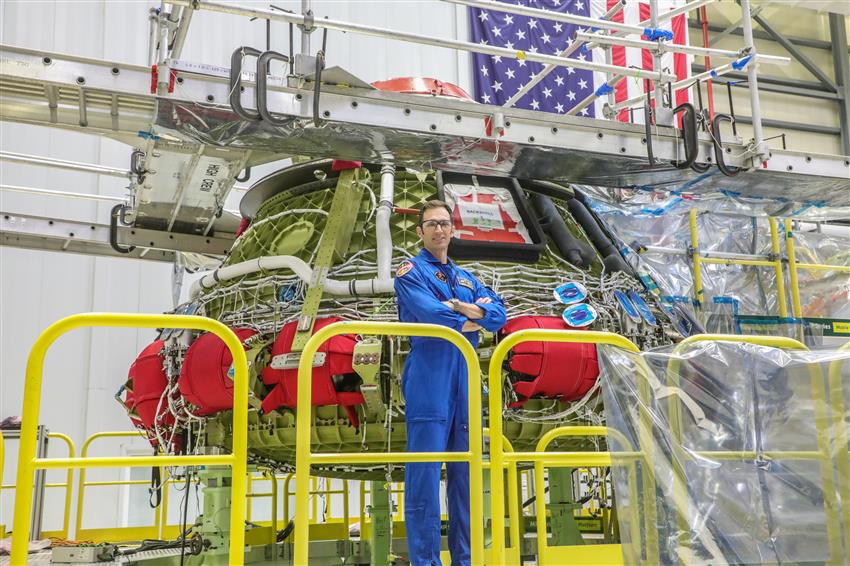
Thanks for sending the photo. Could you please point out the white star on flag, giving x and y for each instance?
(545, 37)
(520, 34)
(582, 83)
(532, 23)
(497, 86)
(509, 19)
(571, 95)
(558, 27)
(559, 80)
(486, 99)
(510, 73)
(547, 92)
(535, 104)
(497, 32)
(559, 107)
(483, 16)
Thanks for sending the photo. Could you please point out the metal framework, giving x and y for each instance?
(118, 100)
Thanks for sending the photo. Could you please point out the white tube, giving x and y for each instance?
(300, 268)
(294, 264)
(382, 223)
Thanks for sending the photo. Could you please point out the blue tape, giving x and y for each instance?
(713, 74)
(675, 299)
(148, 135)
(741, 63)
(604, 89)
(654, 34)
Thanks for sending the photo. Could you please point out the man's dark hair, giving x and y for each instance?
(432, 204)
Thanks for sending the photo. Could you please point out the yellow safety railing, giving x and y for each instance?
(68, 484)
(838, 408)
(498, 458)
(333, 528)
(513, 498)
(304, 456)
(776, 263)
(272, 478)
(823, 454)
(794, 266)
(28, 463)
(111, 533)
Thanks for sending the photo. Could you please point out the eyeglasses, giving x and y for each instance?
(434, 224)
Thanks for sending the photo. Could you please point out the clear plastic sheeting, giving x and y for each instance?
(730, 452)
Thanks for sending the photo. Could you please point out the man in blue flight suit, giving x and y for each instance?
(430, 288)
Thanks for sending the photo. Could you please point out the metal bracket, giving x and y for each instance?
(292, 359)
(335, 239)
(367, 364)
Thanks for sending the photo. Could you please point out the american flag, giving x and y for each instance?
(497, 79)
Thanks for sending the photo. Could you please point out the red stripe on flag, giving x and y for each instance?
(618, 57)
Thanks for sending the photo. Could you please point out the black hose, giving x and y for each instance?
(246, 174)
(263, 63)
(113, 229)
(236, 60)
(728, 170)
(611, 258)
(569, 247)
(317, 87)
(647, 125)
(689, 133)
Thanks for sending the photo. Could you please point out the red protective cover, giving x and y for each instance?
(147, 382)
(339, 352)
(561, 371)
(204, 379)
(422, 85)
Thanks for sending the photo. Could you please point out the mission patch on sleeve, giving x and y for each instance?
(404, 268)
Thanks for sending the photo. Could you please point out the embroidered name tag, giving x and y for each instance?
(465, 283)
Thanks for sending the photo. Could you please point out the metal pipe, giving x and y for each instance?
(698, 290)
(777, 269)
(760, 149)
(383, 233)
(565, 53)
(424, 39)
(662, 115)
(667, 15)
(709, 83)
(305, 34)
(797, 307)
(721, 70)
(182, 31)
(662, 47)
(84, 196)
(550, 15)
(63, 164)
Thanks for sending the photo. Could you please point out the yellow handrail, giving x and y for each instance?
(593, 459)
(304, 457)
(28, 463)
(68, 483)
(796, 306)
(842, 455)
(81, 480)
(820, 406)
(513, 496)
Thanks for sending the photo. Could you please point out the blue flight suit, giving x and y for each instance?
(434, 384)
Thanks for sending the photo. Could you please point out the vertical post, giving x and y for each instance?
(841, 64)
(777, 268)
(792, 272)
(379, 539)
(663, 116)
(38, 491)
(305, 34)
(760, 147)
(698, 290)
(562, 506)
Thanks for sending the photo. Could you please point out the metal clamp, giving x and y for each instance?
(236, 61)
(119, 210)
(263, 63)
(728, 170)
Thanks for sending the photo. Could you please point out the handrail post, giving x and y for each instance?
(28, 463)
(304, 456)
(494, 385)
